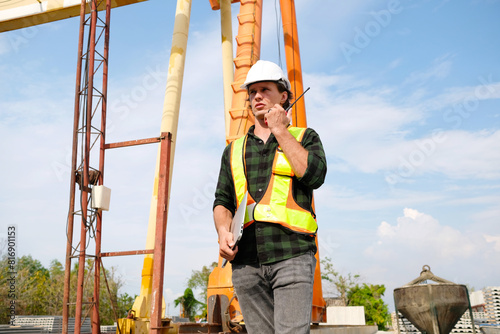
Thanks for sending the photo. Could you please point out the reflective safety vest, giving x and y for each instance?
(277, 205)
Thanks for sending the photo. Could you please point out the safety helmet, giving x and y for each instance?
(264, 70)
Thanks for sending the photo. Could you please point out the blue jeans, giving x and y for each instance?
(276, 298)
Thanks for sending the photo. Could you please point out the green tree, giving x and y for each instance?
(188, 303)
(54, 292)
(370, 296)
(343, 284)
(28, 279)
(39, 291)
(199, 281)
(110, 301)
(124, 304)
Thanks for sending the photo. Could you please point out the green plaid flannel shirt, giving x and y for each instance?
(264, 242)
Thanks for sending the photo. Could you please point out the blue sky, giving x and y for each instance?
(404, 94)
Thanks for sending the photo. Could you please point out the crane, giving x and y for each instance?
(90, 114)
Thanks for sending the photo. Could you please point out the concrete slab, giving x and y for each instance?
(343, 329)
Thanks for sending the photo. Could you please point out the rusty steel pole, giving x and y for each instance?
(70, 222)
(96, 320)
(160, 234)
(89, 89)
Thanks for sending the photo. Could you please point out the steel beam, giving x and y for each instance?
(160, 235)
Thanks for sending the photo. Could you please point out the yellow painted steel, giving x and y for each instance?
(169, 123)
(26, 13)
(227, 59)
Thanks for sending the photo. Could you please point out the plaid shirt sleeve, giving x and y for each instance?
(316, 161)
(224, 194)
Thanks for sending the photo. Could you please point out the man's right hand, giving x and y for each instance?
(226, 244)
(223, 218)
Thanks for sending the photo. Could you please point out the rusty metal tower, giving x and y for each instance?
(89, 130)
(87, 177)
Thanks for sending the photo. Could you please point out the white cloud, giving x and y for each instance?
(487, 219)
(459, 103)
(395, 63)
(361, 126)
(495, 239)
(469, 154)
(440, 69)
(369, 130)
(455, 154)
(420, 236)
(342, 198)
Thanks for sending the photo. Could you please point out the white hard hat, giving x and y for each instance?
(264, 70)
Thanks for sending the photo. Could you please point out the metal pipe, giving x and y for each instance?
(136, 252)
(133, 142)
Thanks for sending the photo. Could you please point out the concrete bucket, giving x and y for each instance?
(432, 308)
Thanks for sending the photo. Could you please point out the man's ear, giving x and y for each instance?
(284, 97)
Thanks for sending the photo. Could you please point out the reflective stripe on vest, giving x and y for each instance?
(277, 205)
(240, 182)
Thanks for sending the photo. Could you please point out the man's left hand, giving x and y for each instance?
(277, 118)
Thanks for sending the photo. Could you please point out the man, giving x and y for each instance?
(273, 264)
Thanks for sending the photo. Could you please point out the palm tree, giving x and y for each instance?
(188, 303)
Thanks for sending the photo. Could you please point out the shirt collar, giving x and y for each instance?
(251, 130)
(251, 133)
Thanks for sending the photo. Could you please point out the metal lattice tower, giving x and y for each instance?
(88, 154)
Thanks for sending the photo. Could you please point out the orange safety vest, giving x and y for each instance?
(277, 205)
